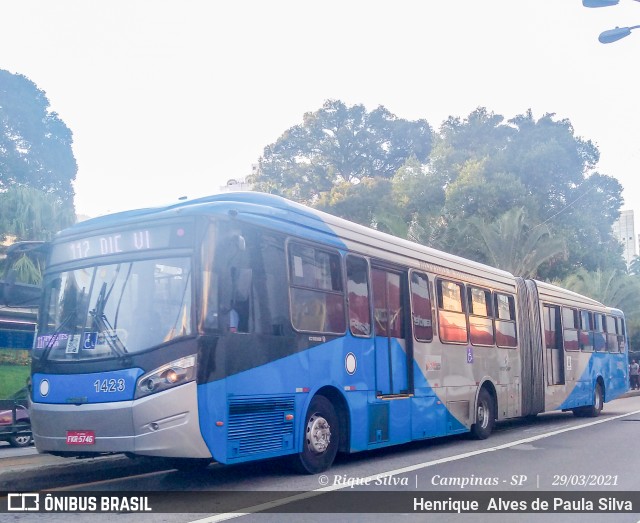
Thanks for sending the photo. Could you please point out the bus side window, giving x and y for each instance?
(586, 331)
(570, 328)
(620, 334)
(358, 296)
(480, 316)
(505, 318)
(599, 338)
(553, 344)
(316, 290)
(610, 333)
(240, 311)
(451, 314)
(421, 307)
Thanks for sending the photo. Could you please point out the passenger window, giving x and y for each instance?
(480, 316)
(506, 332)
(317, 297)
(421, 307)
(599, 337)
(451, 315)
(553, 345)
(358, 296)
(387, 304)
(622, 333)
(612, 335)
(570, 328)
(586, 331)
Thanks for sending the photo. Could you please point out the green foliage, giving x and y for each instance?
(37, 168)
(13, 374)
(31, 214)
(492, 166)
(397, 206)
(511, 244)
(339, 144)
(35, 144)
(612, 287)
(28, 270)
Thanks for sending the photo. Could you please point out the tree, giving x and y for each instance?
(35, 144)
(634, 266)
(339, 144)
(511, 244)
(31, 214)
(612, 287)
(491, 166)
(405, 206)
(37, 168)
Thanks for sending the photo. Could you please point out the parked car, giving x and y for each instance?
(15, 422)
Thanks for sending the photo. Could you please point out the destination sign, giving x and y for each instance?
(120, 242)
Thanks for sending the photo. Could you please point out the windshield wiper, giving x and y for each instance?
(56, 333)
(72, 314)
(103, 325)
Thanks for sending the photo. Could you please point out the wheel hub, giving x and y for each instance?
(483, 418)
(318, 434)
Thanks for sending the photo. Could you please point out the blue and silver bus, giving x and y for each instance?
(244, 326)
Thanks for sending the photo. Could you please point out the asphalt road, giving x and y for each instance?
(552, 454)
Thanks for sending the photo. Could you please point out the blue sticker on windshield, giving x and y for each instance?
(89, 341)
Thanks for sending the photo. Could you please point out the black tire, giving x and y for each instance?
(21, 440)
(321, 438)
(485, 416)
(594, 410)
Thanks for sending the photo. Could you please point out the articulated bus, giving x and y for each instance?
(244, 326)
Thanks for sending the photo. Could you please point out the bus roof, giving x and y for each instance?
(550, 291)
(279, 208)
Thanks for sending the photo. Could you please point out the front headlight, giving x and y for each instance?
(170, 375)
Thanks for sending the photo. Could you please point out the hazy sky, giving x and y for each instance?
(167, 98)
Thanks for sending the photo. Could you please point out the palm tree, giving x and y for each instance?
(634, 266)
(614, 288)
(509, 243)
(31, 214)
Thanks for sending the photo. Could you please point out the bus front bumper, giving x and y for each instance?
(165, 424)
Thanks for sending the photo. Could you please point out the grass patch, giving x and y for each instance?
(14, 371)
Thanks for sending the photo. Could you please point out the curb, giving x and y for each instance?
(70, 471)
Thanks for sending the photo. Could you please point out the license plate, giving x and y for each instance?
(81, 437)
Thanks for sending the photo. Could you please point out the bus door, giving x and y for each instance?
(392, 370)
(553, 340)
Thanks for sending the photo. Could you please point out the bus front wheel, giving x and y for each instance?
(321, 438)
(485, 416)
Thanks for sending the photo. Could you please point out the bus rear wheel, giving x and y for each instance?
(592, 410)
(321, 438)
(485, 416)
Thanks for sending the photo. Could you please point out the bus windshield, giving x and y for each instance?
(112, 310)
